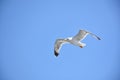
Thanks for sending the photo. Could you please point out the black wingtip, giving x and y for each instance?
(98, 38)
(56, 54)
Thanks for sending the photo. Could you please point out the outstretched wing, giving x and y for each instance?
(93, 35)
(58, 45)
(82, 34)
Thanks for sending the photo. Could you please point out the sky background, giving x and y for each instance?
(29, 28)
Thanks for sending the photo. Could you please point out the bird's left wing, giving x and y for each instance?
(93, 35)
(58, 45)
(80, 35)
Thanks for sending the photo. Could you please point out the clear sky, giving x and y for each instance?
(29, 28)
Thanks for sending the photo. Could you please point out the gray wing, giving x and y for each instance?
(58, 45)
(93, 35)
(82, 34)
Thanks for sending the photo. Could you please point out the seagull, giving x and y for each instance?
(75, 40)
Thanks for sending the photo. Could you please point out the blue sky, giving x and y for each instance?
(29, 28)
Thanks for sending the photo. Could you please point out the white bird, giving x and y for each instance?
(76, 40)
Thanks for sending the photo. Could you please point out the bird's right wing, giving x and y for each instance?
(58, 45)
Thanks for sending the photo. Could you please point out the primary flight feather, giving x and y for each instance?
(76, 40)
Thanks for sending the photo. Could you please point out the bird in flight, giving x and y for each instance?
(75, 40)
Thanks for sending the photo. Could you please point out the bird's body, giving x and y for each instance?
(76, 40)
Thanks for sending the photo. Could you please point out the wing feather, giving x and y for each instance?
(80, 36)
(93, 35)
(58, 45)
